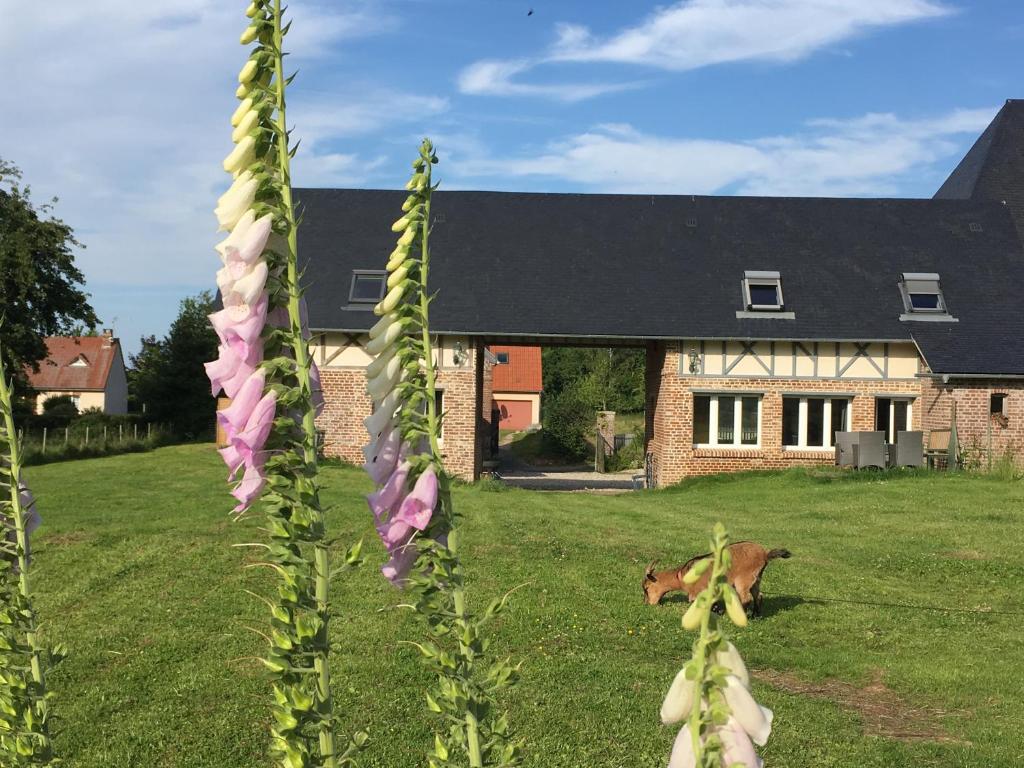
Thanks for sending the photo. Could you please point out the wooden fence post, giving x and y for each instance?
(120, 433)
(104, 435)
(66, 430)
(44, 439)
(136, 430)
(87, 435)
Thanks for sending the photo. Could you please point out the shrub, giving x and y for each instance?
(629, 456)
(58, 411)
(568, 422)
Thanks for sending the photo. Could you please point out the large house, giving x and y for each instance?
(768, 323)
(89, 369)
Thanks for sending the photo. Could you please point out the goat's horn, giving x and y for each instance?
(650, 568)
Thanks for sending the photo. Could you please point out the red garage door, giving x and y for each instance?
(515, 414)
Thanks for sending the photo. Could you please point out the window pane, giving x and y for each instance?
(766, 295)
(367, 287)
(815, 421)
(882, 414)
(839, 411)
(899, 413)
(748, 425)
(701, 419)
(790, 421)
(502, 358)
(924, 300)
(726, 419)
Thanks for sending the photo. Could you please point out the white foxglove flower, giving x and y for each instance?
(235, 203)
(737, 750)
(248, 288)
(379, 364)
(755, 719)
(241, 156)
(382, 419)
(249, 34)
(730, 659)
(237, 234)
(385, 340)
(679, 700)
(383, 324)
(385, 381)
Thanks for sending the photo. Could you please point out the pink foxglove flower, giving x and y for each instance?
(247, 491)
(418, 506)
(250, 441)
(234, 418)
(385, 501)
(397, 568)
(229, 371)
(240, 328)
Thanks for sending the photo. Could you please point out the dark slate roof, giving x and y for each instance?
(628, 266)
(993, 169)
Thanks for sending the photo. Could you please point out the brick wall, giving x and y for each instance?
(670, 421)
(347, 404)
(981, 434)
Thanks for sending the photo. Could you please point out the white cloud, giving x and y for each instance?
(495, 78)
(870, 155)
(698, 33)
(120, 107)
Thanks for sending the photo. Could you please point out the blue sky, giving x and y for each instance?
(121, 108)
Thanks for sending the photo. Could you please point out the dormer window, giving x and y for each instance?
(367, 286)
(80, 362)
(762, 291)
(922, 293)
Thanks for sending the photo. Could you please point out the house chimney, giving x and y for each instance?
(108, 337)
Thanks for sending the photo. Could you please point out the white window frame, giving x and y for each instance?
(737, 421)
(890, 436)
(801, 429)
(762, 278)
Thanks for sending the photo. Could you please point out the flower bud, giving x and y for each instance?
(249, 34)
(397, 260)
(691, 619)
(381, 419)
(384, 382)
(241, 91)
(696, 571)
(241, 156)
(734, 607)
(240, 111)
(236, 201)
(408, 236)
(246, 125)
(397, 276)
(252, 10)
(415, 182)
(248, 72)
(391, 300)
(410, 202)
(402, 224)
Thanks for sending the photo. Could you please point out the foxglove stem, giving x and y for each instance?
(25, 736)
(300, 349)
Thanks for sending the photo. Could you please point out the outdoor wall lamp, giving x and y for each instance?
(694, 361)
(459, 354)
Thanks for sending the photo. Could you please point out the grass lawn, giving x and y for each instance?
(899, 614)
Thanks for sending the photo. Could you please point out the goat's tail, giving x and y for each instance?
(783, 553)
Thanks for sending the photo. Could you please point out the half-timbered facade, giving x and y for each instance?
(769, 323)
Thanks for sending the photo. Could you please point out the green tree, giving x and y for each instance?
(167, 379)
(40, 286)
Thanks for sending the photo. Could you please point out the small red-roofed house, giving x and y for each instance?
(517, 382)
(89, 369)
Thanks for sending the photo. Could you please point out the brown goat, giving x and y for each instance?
(749, 559)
